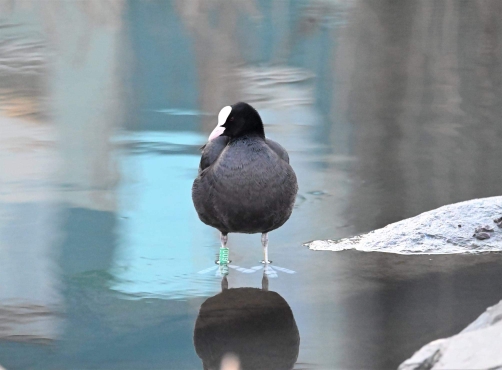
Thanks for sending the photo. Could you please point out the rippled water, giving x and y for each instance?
(387, 109)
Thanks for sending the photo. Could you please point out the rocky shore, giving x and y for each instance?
(478, 346)
(473, 226)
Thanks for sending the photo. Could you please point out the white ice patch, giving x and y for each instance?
(223, 115)
(445, 230)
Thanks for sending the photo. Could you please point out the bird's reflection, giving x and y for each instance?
(255, 326)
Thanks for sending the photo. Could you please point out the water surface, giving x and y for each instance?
(387, 109)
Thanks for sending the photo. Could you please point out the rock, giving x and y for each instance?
(481, 236)
(433, 232)
(486, 228)
(478, 346)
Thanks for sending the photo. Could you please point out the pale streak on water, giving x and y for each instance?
(387, 109)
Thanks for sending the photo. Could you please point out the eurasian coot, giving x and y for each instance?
(245, 183)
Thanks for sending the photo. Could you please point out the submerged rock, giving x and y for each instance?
(478, 346)
(444, 230)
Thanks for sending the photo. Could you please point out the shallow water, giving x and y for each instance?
(387, 109)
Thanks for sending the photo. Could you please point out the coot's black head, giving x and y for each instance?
(238, 120)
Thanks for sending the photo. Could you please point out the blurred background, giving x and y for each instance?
(387, 108)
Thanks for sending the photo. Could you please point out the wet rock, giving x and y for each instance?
(481, 232)
(433, 232)
(486, 228)
(481, 236)
(498, 221)
(475, 347)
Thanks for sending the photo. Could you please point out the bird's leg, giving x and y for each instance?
(264, 280)
(224, 283)
(264, 242)
(224, 252)
(223, 239)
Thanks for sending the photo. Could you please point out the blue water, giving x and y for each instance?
(387, 109)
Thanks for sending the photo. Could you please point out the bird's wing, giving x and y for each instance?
(211, 151)
(276, 147)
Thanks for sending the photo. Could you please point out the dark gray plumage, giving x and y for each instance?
(245, 183)
(255, 325)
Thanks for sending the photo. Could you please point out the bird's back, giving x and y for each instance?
(249, 187)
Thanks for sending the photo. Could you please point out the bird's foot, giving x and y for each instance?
(220, 270)
(223, 269)
(223, 263)
(271, 271)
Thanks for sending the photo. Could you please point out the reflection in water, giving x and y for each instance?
(420, 85)
(31, 303)
(254, 325)
(54, 149)
(387, 108)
